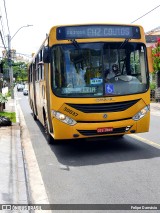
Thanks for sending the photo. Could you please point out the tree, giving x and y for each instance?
(156, 56)
(20, 71)
(156, 62)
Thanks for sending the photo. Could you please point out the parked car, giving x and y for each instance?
(20, 87)
(25, 91)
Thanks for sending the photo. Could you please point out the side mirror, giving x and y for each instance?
(46, 55)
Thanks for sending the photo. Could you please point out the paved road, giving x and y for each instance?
(153, 134)
(106, 171)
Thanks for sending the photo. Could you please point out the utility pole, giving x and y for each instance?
(10, 60)
(10, 67)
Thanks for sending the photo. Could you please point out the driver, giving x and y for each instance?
(112, 73)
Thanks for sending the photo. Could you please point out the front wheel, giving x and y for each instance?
(49, 138)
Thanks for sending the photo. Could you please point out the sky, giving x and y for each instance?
(47, 13)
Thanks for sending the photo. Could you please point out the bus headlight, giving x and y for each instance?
(64, 118)
(141, 113)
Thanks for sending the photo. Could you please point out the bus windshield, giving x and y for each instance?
(98, 69)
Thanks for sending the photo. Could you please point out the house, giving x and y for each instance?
(152, 36)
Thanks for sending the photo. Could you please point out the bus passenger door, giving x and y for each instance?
(34, 91)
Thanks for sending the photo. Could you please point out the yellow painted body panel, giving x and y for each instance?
(92, 121)
(64, 131)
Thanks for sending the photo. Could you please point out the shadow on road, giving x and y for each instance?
(93, 151)
(102, 151)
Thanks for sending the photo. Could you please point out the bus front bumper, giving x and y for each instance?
(99, 129)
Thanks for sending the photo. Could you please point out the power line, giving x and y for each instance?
(2, 40)
(2, 30)
(145, 14)
(6, 16)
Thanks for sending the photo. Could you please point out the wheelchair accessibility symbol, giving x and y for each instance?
(109, 88)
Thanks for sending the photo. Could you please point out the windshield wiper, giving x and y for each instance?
(75, 43)
(124, 43)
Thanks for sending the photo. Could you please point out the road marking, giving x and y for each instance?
(151, 143)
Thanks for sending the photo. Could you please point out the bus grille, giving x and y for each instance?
(105, 107)
(94, 132)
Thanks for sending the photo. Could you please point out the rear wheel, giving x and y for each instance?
(34, 116)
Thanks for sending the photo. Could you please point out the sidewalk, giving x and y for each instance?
(13, 188)
(20, 179)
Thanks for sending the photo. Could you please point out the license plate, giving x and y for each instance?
(105, 129)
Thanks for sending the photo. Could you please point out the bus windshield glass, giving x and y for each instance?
(98, 69)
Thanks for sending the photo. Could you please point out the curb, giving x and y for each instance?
(36, 189)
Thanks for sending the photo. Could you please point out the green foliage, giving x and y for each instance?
(20, 71)
(9, 93)
(156, 56)
(3, 98)
(10, 115)
(152, 86)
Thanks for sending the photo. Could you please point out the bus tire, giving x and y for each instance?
(119, 136)
(49, 138)
(34, 116)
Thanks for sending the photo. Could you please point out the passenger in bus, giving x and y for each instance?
(80, 79)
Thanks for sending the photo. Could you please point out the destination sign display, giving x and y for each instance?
(98, 31)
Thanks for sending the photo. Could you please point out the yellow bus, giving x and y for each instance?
(91, 81)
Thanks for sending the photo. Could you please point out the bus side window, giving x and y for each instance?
(56, 65)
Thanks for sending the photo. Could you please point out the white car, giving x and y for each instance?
(20, 87)
(25, 91)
